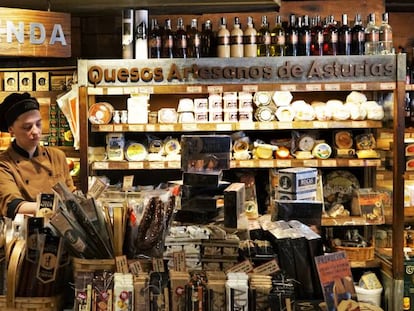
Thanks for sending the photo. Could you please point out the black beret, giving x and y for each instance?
(13, 106)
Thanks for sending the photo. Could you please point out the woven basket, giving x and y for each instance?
(358, 253)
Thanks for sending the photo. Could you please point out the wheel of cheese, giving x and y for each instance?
(100, 113)
(136, 152)
(343, 139)
(322, 151)
(306, 143)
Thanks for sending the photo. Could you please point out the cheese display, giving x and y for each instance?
(100, 113)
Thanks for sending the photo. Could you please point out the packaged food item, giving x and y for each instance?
(100, 113)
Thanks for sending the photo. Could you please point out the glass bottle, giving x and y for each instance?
(330, 37)
(358, 36)
(154, 37)
(304, 39)
(316, 36)
(194, 40)
(223, 39)
(385, 36)
(167, 40)
(207, 40)
(236, 40)
(344, 37)
(249, 39)
(263, 38)
(371, 36)
(407, 110)
(180, 40)
(292, 34)
(278, 40)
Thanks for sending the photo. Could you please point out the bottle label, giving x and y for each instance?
(294, 38)
(320, 38)
(183, 42)
(250, 39)
(223, 40)
(155, 42)
(169, 42)
(334, 37)
(281, 40)
(373, 36)
(361, 36)
(238, 39)
(197, 41)
(267, 39)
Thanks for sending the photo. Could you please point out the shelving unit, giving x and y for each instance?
(305, 77)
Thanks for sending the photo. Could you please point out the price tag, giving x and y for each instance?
(167, 128)
(128, 182)
(97, 188)
(246, 125)
(357, 163)
(136, 267)
(320, 124)
(332, 87)
(179, 261)
(313, 87)
(190, 127)
(150, 127)
(130, 90)
(194, 89)
(387, 86)
(246, 163)
(288, 87)
(373, 162)
(380, 176)
(250, 88)
(156, 165)
(224, 127)
(266, 163)
(114, 90)
(100, 165)
(329, 163)
(266, 126)
(135, 165)
(358, 86)
(215, 89)
(285, 125)
(267, 268)
(244, 266)
(136, 127)
(106, 128)
(118, 128)
(145, 90)
(311, 163)
(174, 164)
(95, 91)
(284, 163)
(121, 264)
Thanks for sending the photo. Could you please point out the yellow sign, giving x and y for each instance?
(34, 33)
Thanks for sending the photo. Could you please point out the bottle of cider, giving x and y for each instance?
(223, 39)
(249, 39)
(236, 40)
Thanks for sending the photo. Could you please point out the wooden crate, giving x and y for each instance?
(32, 304)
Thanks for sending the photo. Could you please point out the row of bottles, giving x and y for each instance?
(299, 36)
(409, 109)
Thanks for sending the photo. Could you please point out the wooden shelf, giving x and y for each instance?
(256, 163)
(350, 221)
(234, 126)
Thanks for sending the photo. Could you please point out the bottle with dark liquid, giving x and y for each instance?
(292, 34)
(316, 36)
(358, 37)
(180, 40)
(167, 40)
(304, 36)
(194, 40)
(263, 38)
(154, 38)
(278, 40)
(207, 40)
(330, 37)
(344, 37)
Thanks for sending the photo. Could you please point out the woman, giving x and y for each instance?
(26, 167)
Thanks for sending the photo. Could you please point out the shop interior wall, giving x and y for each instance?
(99, 36)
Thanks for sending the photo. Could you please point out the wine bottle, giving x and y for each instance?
(304, 39)
(180, 40)
(292, 34)
(344, 37)
(154, 38)
(358, 37)
(278, 40)
(194, 40)
(330, 37)
(167, 40)
(207, 40)
(263, 38)
(316, 36)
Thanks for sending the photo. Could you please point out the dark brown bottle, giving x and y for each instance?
(208, 46)
(344, 37)
(167, 40)
(180, 40)
(358, 37)
(330, 37)
(316, 36)
(304, 40)
(193, 40)
(154, 38)
(292, 34)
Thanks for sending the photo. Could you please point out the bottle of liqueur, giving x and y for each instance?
(316, 36)
(180, 40)
(330, 37)
(236, 40)
(304, 36)
(385, 36)
(292, 37)
(193, 40)
(249, 39)
(263, 38)
(344, 37)
(154, 37)
(371, 36)
(208, 48)
(278, 40)
(223, 40)
(358, 37)
(167, 40)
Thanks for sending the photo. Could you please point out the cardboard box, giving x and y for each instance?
(368, 203)
(298, 179)
(306, 195)
(234, 198)
(26, 81)
(11, 81)
(202, 178)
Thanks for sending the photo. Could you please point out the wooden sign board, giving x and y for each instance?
(34, 33)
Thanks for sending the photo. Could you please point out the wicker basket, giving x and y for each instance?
(32, 304)
(92, 265)
(358, 253)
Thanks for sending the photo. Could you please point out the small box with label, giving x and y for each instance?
(42, 81)
(298, 179)
(11, 81)
(26, 81)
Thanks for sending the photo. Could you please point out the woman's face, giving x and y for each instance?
(27, 130)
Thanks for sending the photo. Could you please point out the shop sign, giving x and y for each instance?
(34, 33)
(232, 70)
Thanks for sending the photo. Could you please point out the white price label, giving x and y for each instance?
(118, 128)
(135, 165)
(136, 127)
(284, 163)
(106, 128)
(358, 86)
(329, 163)
(332, 87)
(100, 165)
(156, 165)
(166, 128)
(215, 89)
(145, 90)
(194, 89)
(387, 86)
(310, 163)
(357, 163)
(313, 87)
(224, 127)
(266, 126)
(250, 88)
(174, 164)
(288, 87)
